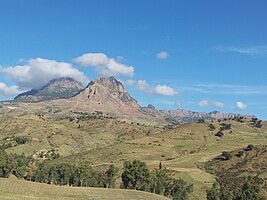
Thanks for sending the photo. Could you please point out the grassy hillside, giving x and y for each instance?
(20, 189)
(248, 161)
(103, 140)
(182, 149)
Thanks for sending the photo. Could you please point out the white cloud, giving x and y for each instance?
(38, 71)
(142, 85)
(8, 91)
(164, 90)
(129, 82)
(240, 105)
(218, 104)
(203, 103)
(252, 50)
(104, 65)
(162, 55)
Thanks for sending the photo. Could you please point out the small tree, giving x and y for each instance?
(212, 127)
(136, 175)
(111, 176)
(227, 155)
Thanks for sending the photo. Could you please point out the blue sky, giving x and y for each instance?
(197, 55)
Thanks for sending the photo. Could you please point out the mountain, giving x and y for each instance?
(182, 115)
(108, 95)
(58, 88)
(105, 91)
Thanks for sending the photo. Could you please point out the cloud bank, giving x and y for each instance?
(38, 71)
(8, 91)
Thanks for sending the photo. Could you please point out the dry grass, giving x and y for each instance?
(20, 189)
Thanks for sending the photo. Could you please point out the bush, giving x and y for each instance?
(219, 134)
(22, 139)
(227, 155)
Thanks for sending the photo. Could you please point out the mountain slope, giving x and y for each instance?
(55, 89)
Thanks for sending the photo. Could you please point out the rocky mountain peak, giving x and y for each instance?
(61, 84)
(107, 91)
(64, 87)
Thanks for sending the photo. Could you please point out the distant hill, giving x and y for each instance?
(55, 89)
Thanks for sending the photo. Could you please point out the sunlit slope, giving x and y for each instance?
(20, 189)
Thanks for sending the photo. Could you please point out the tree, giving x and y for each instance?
(249, 190)
(219, 192)
(181, 190)
(158, 180)
(5, 164)
(212, 127)
(110, 176)
(214, 192)
(136, 175)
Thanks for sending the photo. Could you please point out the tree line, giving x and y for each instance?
(135, 175)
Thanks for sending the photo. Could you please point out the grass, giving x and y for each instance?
(23, 190)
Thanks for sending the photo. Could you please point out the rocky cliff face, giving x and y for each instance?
(55, 89)
(106, 92)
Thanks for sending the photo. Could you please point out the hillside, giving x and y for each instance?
(102, 140)
(240, 163)
(20, 189)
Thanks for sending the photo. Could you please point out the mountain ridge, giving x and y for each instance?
(108, 95)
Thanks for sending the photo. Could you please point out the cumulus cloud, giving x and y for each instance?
(162, 55)
(104, 65)
(240, 105)
(203, 103)
(218, 104)
(142, 85)
(38, 71)
(164, 90)
(8, 91)
(129, 82)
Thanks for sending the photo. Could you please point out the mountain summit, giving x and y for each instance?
(106, 93)
(58, 88)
